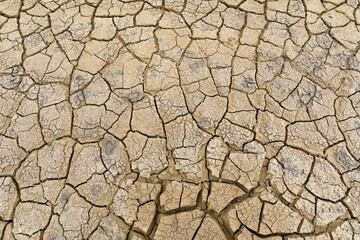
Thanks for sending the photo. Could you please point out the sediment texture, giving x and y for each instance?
(189, 119)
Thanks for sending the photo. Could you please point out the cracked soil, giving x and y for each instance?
(180, 119)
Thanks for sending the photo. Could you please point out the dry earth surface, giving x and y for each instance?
(180, 119)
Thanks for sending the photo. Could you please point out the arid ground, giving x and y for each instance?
(180, 119)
